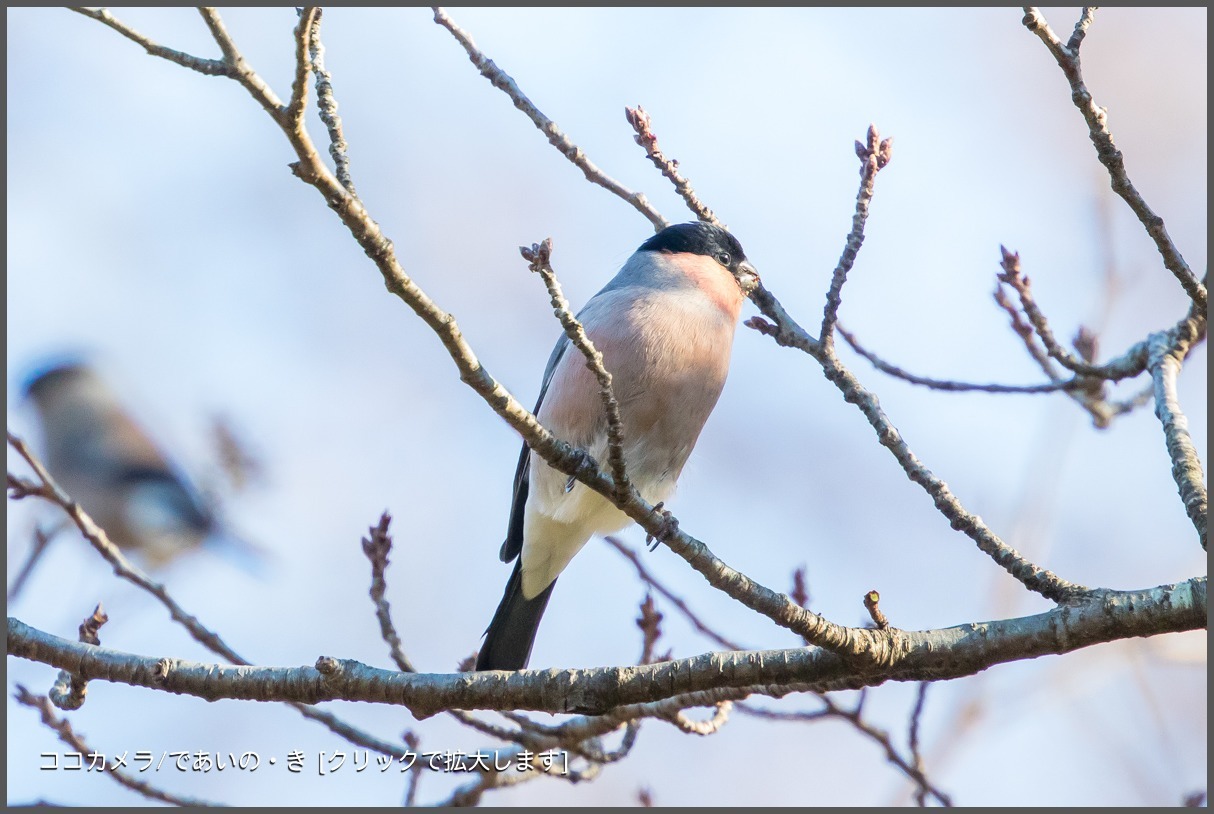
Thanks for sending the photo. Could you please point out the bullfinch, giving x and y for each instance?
(106, 462)
(665, 326)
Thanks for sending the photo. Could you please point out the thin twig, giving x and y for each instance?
(209, 67)
(1020, 283)
(64, 730)
(413, 742)
(947, 384)
(326, 102)
(1081, 29)
(874, 155)
(539, 255)
(376, 546)
(48, 490)
(1032, 576)
(1090, 377)
(639, 119)
(855, 717)
(505, 83)
(42, 539)
(650, 623)
(69, 689)
(1027, 335)
(652, 581)
(872, 603)
(239, 70)
(709, 727)
(298, 104)
(913, 738)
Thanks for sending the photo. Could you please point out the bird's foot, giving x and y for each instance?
(670, 527)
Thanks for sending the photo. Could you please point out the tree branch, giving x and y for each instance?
(539, 255)
(505, 83)
(874, 155)
(913, 656)
(1167, 352)
(1067, 57)
(66, 734)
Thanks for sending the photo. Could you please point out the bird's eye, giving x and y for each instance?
(723, 258)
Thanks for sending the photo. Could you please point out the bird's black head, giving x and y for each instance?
(45, 376)
(698, 238)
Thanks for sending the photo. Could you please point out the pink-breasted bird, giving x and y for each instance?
(665, 327)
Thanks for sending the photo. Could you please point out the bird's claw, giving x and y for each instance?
(670, 525)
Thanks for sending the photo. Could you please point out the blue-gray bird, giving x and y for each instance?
(665, 326)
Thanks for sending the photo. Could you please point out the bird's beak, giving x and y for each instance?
(747, 277)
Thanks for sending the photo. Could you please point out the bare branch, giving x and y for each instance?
(505, 83)
(294, 112)
(377, 546)
(239, 70)
(64, 730)
(707, 679)
(1097, 119)
(872, 601)
(687, 612)
(124, 569)
(639, 119)
(949, 385)
(855, 717)
(916, 756)
(1081, 29)
(1167, 353)
(209, 67)
(1127, 366)
(42, 539)
(1034, 577)
(874, 155)
(326, 102)
(650, 623)
(539, 255)
(1025, 331)
(559, 455)
(69, 691)
(709, 727)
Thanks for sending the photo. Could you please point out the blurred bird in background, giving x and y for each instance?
(108, 464)
(664, 325)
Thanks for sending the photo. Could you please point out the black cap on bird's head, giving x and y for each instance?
(696, 238)
(45, 375)
(709, 240)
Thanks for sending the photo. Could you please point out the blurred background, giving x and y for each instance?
(153, 224)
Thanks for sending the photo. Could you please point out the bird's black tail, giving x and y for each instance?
(511, 634)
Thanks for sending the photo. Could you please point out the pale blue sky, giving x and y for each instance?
(153, 220)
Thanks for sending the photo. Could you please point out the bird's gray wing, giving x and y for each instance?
(513, 543)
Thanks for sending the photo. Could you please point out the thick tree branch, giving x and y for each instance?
(954, 652)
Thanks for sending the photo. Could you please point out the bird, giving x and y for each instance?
(108, 463)
(664, 326)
